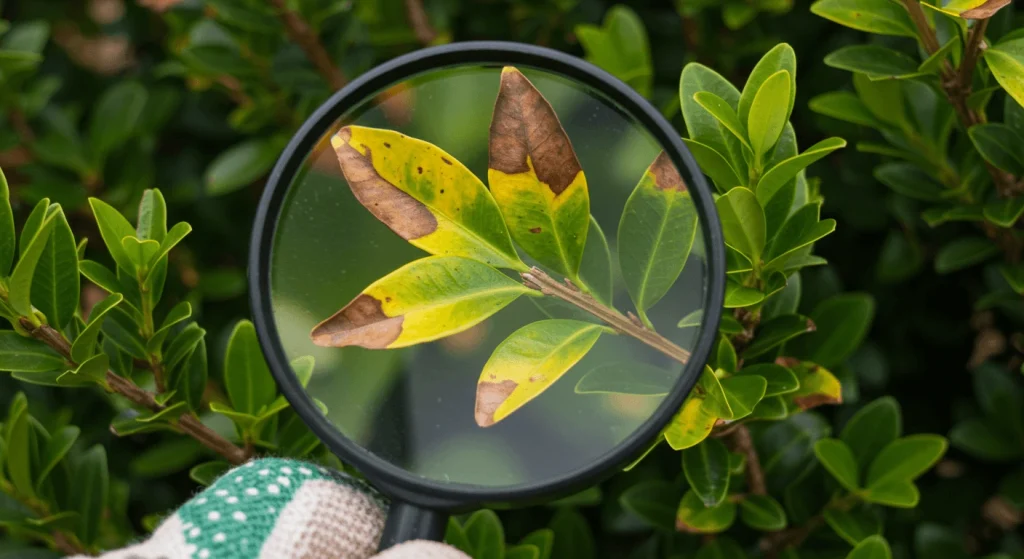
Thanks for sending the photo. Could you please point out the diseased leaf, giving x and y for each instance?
(694, 518)
(874, 16)
(691, 425)
(422, 301)
(986, 10)
(818, 386)
(838, 459)
(535, 177)
(706, 466)
(424, 195)
(1006, 60)
(529, 361)
(626, 378)
(656, 233)
(768, 115)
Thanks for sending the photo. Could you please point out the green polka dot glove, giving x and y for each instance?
(279, 509)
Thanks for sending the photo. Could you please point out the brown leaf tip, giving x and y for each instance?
(360, 323)
(524, 126)
(682, 526)
(811, 326)
(666, 176)
(986, 10)
(814, 400)
(490, 395)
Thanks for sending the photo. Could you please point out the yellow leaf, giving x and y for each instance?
(691, 425)
(529, 361)
(818, 386)
(424, 195)
(420, 302)
(536, 178)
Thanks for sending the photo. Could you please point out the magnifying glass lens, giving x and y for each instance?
(498, 272)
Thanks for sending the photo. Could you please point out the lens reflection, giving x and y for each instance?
(540, 387)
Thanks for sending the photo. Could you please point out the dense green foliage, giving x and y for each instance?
(838, 375)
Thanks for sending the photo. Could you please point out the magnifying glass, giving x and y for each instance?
(486, 249)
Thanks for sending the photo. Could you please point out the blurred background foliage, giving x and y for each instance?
(108, 98)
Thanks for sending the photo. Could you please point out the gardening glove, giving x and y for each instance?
(275, 508)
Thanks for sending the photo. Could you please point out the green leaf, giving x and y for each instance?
(23, 278)
(656, 233)
(7, 238)
(1000, 146)
(909, 180)
(871, 429)
(707, 470)
(1006, 60)
(762, 512)
(183, 344)
(874, 16)
(800, 230)
(528, 362)
(1004, 212)
(84, 346)
(113, 228)
(726, 357)
(180, 312)
(845, 106)
(842, 323)
(485, 535)
(1014, 275)
(692, 320)
(32, 224)
(626, 378)
(620, 46)
(55, 286)
(777, 331)
(743, 222)
(542, 539)
(901, 494)
(885, 100)
(779, 379)
(241, 165)
(714, 165)
(654, 501)
(767, 113)
(90, 492)
(93, 369)
(455, 536)
(873, 547)
(596, 267)
(56, 449)
(838, 459)
(724, 113)
(206, 473)
(694, 518)
(115, 116)
(905, 459)
(424, 300)
(781, 57)
(522, 552)
(743, 392)
(933, 64)
(778, 175)
(876, 61)
(963, 253)
(852, 526)
(141, 253)
(247, 378)
(573, 538)
(152, 222)
(721, 548)
(701, 125)
(738, 296)
(28, 355)
(190, 379)
(121, 328)
(19, 436)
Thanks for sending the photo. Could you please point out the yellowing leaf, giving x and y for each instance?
(656, 233)
(422, 301)
(1006, 60)
(691, 425)
(535, 176)
(694, 518)
(424, 195)
(818, 386)
(529, 361)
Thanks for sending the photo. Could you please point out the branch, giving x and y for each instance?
(300, 32)
(539, 280)
(744, 444)
(425, 33)
(188, 423)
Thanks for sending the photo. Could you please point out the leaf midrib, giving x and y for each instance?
(447, 301)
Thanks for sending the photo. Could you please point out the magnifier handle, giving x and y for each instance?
(408, 522)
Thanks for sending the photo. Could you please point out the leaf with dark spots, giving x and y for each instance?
(535, 176)
(398, 179)
(818, 387)
(420, 302)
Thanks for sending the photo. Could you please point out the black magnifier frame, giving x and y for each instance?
(422, 505)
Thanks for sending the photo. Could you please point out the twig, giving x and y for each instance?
(300, 32)
(188, 423)
(539, 280)
(419, 21)
(975, 37)
(744, 444)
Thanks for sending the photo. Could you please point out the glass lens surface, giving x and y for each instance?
(397, 266)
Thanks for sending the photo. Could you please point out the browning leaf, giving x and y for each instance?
(986, 10)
